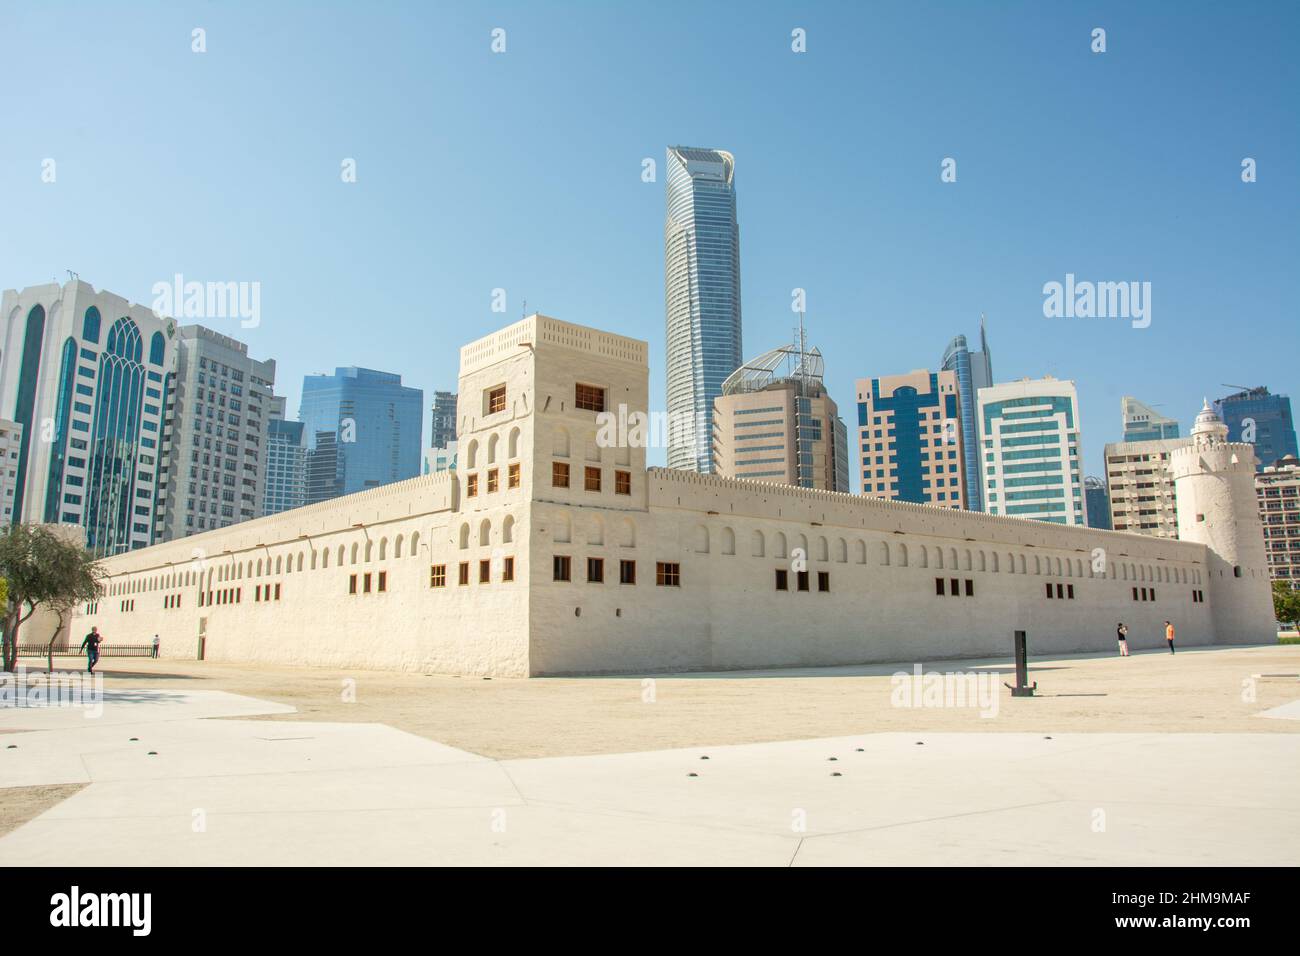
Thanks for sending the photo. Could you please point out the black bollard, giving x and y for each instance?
(1022, 687)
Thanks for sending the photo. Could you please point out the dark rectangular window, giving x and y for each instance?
(592, 482)
(970, 588)
(1153, 594)
(590, 397)
(512, 476)
(596, 570)
(352, 584)
(496, 400)
(277, 595)
(622, 482)
(366, 584)
(802, 578)
(627, 572)
(471, 486)
(485, 571)
(507, 569)
(1049, 589)
(782, 579)
(493, 481)
(668, 574)
(1060, 592)
(438, 576)
(938, 587)
(954, 587)
(823, 580)
(1135, 594)
(1069, 591)
(462, 574)
(559, 474)
(383, 580)
(560, 567)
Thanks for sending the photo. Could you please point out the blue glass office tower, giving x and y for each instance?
(1270, 415)
(701, 297)
(370, 420)
(974, 371)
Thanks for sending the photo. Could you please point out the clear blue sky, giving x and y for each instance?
(522, 171)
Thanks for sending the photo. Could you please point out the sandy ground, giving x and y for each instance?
(1194, 691)
(20, 804)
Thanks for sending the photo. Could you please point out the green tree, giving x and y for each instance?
(1286, 602)
(42, 567)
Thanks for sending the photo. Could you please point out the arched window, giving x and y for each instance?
(485, 533)
(778, 545)
(728, 541)
(842, 551)
(596, 531)
(560, 442)
(383, 549)
(370, 550)
(629, 533)
(756, 544)
(513, 448)
(508, 529)
(415, 544)
(464, 536)
(355, 550)
(493, 441)
(884, 553)
(90, 325)
(823, 549)
(157, 346)
(471, 454)
(902, 556)
(397, 546)
(925, 557)
(701, 539)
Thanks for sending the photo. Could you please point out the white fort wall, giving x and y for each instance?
(728, 538)
(310, 554)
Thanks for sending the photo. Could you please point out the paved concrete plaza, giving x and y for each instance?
(259, 786)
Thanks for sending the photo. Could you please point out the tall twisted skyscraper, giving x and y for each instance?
(701, 297)
(974, 371)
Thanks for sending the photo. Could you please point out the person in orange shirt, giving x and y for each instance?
(1169, 636)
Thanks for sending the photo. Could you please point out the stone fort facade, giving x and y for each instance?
(552, 551)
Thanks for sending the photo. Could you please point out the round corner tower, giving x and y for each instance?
(1214, 484)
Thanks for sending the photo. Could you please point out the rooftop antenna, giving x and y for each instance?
(72, 276)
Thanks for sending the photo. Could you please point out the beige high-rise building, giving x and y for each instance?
(11, 440)
(1278, 490)
(910, 438)
(779, 424)
(1142, 486)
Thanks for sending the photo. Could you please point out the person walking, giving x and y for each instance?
(91, 646)
(155, 646)
(1169, 636)
(1121, 635)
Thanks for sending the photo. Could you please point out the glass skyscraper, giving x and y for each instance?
(1144, 423)
(1261, 419)
(974, 371)
(701, 297)
(372, 427)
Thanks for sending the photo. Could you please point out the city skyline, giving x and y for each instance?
(866, 236)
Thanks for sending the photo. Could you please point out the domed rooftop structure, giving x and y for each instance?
(765, 371)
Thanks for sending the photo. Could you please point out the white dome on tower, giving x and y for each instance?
(1209, 427)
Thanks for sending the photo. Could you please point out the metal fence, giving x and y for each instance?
(105, 650)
